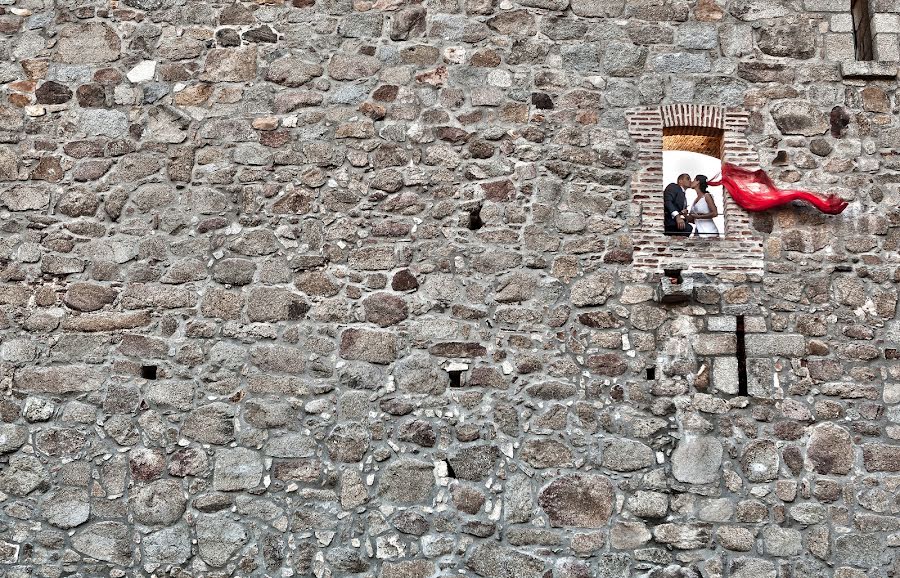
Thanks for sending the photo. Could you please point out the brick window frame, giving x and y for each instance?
(741, 248)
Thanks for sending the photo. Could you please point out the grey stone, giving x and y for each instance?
(274, 304)
(598, 8)
(67, 508)
(159, 503)
(406, 480)
(24, 474)
(735, 538)
(683, 536)
(799, 117)
(793, 40)
(697, 460)
(365, 345)
(830, 449)
(646, 504)
(592, 290)
(234, 271)
(540, 453)
(219, 538)
(760, 461)
(767, 345)
(107, 541)
(293, 72)
(25, 198)
(361, 25)
(745, 567)
(623, 455)
(212, 423)
(237, 469)
(474, 462)
(584, 501)
(495, 561)
(230, 64)
(750, 10)
(782, 542)
(167, 546)
(102, 122)
(89, 43)
(353, 67)
(697, 36)
(347, 442)
(682, 62)
(407, 22)
(863, 550)
(557, 5)
(12, 437)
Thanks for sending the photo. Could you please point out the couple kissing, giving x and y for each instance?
(690, 220)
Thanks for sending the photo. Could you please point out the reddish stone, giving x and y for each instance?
(373, 111)
(386, 93)
(499, 191)
(108, 76)
(485, 58)
(53, 93)
(458, 349)
(274, 139)
(436, 77)
(91, 95)
(48, 169)
(404, 280)
(618, 256)
(609, 364)
(24, 85)
(452, 134)
(19, 100)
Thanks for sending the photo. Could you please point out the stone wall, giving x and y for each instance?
(331, 288)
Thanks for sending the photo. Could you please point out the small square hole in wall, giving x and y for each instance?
(455, 377)
(651, 374)
(148, 371)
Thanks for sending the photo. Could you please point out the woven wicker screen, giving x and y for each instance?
(706, 141)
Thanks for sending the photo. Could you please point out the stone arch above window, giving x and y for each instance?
(698, 128)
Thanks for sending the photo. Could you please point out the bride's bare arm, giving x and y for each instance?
(713, 210)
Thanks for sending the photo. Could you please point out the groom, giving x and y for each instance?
(675, 203)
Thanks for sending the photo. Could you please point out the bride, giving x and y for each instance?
(704, 209)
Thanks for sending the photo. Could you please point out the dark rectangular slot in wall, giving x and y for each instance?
(455, 378)
(148, 371)
(862, 29)
(741, 356)
(651, 373)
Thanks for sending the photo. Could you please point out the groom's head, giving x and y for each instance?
(684, 181)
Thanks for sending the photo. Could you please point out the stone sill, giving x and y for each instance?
(869, 69)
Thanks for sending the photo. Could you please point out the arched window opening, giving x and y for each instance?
(696, 151)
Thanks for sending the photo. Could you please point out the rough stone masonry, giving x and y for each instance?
(346, 288)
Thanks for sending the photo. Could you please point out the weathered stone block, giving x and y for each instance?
(367, 345)
(775, 344)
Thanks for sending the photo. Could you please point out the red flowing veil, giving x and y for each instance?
(755, 191)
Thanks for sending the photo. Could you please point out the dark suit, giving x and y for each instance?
(674, 199)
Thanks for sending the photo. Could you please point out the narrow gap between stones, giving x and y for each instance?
(148, 371)
(475, 221)
(741, 356)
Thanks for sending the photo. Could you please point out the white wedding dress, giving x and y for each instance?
(703, 227)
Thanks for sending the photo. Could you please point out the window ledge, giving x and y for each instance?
(868, 69)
